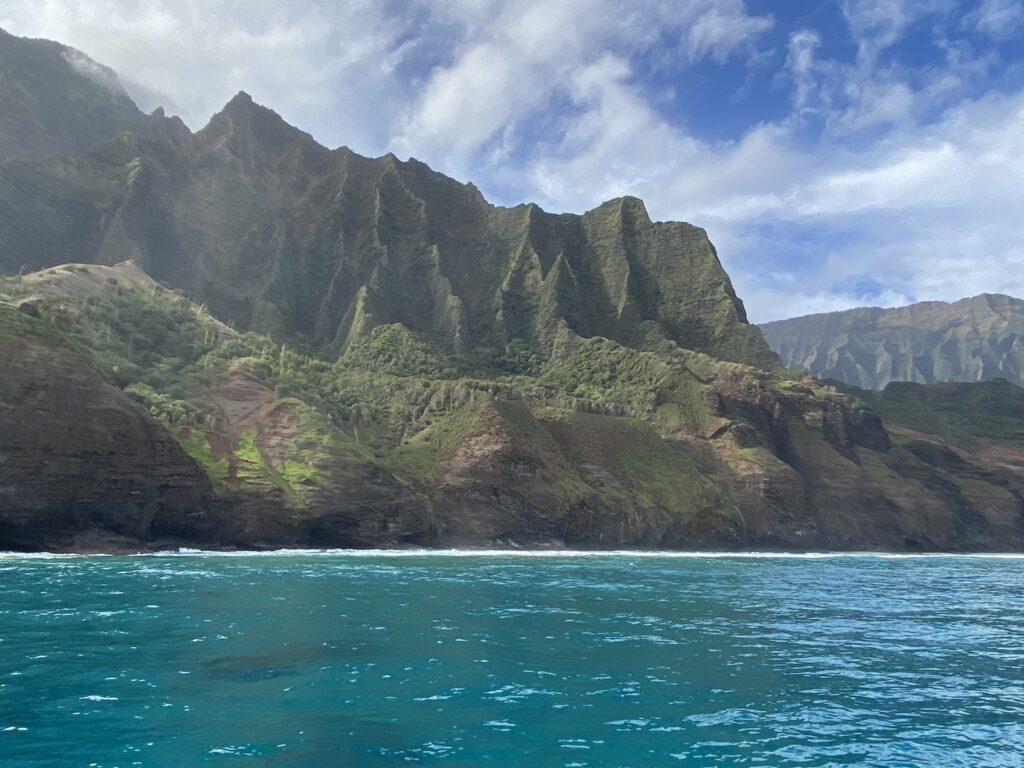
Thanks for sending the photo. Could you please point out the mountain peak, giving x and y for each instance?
(251, 123)
(57, 100)
(242, 106)
(625, 205)
(242, 99)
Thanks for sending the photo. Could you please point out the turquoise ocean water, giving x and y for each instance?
(502, 660)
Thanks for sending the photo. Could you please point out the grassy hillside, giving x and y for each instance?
(596, 443)
(969, 415)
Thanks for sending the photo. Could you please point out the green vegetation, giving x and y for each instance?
(391, 399)
(197, 445)
(963, 414)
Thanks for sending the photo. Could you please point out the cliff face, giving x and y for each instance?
(969, 340)
(345, 351)
(600, 446)
(279, 235)
(79, 462)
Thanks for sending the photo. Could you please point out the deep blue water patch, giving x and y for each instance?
(496, 660)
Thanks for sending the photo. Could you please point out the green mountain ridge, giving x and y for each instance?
(249, 340)
(973, 339)
(279, 235)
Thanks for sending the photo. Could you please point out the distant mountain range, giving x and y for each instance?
(240, 338)
(975, 339)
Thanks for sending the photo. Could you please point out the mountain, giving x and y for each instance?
(974, 339)
(57, 101)
(279, 235)
(239, 338)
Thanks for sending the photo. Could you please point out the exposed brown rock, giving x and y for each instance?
(80, 462)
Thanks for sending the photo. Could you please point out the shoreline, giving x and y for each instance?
(511, 553)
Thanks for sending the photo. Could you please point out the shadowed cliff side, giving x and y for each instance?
(81, 465)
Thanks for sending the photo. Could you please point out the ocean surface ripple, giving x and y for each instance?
(375, 659)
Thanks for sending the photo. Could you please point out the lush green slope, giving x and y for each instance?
(970, 340)
(599, 445)
(967, 415)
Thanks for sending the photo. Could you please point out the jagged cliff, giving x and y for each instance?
(279, 235)
(974, 339)
(277, 344)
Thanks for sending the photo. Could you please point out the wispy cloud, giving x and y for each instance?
(513, 60)
(1001, 19)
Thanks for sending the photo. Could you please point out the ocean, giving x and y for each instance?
(511, 659)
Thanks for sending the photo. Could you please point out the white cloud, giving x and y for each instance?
(95, 72)
(934, 214)
(336, 69)
(722, 29)
(1001, 19)
(801, 63)
(525, 54)
(876, 24)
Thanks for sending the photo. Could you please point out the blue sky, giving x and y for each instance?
(838, 153)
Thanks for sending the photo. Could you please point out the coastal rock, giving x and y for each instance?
(79, 459)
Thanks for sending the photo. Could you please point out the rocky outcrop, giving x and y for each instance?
(973, 339)
(793, 467)
(81, 465)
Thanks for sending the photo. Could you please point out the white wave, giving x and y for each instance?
(517, 553)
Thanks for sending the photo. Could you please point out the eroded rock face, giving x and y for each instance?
(289, 479)
(280, 235)
(830, 476)
(79, 461)
(974, 339)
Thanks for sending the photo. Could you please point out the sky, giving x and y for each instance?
(839, 153)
